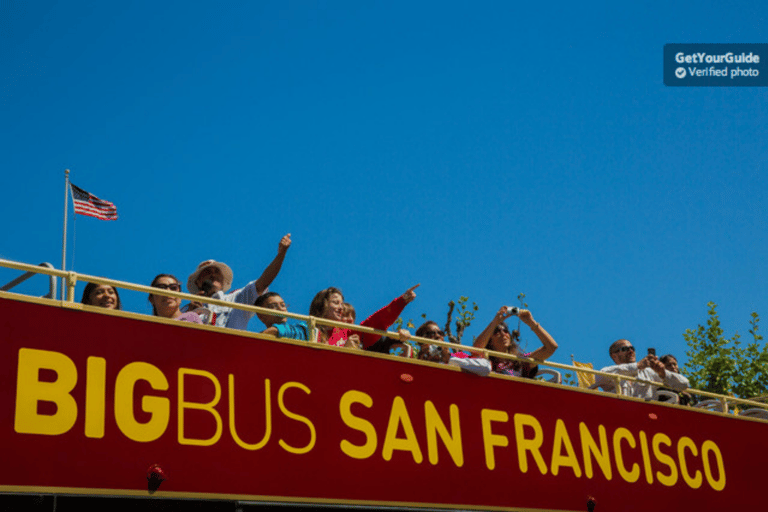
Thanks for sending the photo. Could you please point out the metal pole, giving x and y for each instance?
(64, 238)
(311, 330)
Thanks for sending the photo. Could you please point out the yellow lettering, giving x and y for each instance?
(352, 421)
(268, 416)
(619, 434)
(182, 405)
(532, 445)
(589, 449)
(95, 397)
(157, 406)
(710, 446)
(646, 458)
(435, 426)
(670, 479)
(694, 482)
(312, 434)
(30, 391)
(558, 459)
(399, 416)
(489, 438)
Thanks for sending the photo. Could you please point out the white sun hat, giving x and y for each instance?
(223, 267)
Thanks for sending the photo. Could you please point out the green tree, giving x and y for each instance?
(464, 316)
(723, 365)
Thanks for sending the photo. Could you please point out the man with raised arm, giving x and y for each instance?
(213, 279)
(648, 368)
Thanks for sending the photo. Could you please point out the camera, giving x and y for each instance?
(513, 310)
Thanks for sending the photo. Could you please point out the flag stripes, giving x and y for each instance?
(88, 204)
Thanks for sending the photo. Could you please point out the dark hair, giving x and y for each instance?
(665, 359)
(92, 286)
(261, 299)
(319, 303)
(154, 282)
(514, 349)
(514, 336)
(423, 328)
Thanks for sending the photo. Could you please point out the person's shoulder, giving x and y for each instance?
(648, 373)
(620, 368)
(220, 295)
(190, 316)
(295, 330)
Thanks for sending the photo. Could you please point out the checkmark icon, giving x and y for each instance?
(680, 72)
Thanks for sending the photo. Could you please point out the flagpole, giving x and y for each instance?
(64, 238)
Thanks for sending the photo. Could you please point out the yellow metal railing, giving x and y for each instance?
(71, 279)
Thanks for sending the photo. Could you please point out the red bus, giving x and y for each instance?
(111, 404)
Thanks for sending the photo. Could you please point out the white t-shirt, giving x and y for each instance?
(231, 317)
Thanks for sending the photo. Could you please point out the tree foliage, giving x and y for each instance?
(464, 316)
(724, 365)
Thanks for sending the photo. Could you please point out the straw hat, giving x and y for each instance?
(223, 267)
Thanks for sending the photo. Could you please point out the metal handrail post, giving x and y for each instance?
(71, 282)
(51, 283)
(311, 330)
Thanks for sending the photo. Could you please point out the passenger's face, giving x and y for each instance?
(348, 317)
(166, 306)
(278, 304)
(334, 307)
(433, 332)
(501, 340)
(214, 276)
(623, 352)
(103, 296)
(671, 365)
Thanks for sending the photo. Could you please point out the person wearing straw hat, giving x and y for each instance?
(214, 279)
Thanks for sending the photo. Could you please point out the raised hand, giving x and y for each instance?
(285, 243)
(409, 295)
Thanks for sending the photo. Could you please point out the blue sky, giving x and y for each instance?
(478, 148)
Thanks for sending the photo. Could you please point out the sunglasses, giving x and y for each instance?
(434, 333)
(174, 287)
(625, 349)
(501, 329)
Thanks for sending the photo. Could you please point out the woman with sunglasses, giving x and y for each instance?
(168, 307)
(498, 338)
(434, 353)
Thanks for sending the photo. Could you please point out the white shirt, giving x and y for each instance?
(231, 317)
(671, 380)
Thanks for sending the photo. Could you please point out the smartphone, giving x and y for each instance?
(651, 351)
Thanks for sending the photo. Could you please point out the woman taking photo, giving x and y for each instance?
(168, 307)
(498, 338)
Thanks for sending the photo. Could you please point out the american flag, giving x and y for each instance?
(88, 204)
